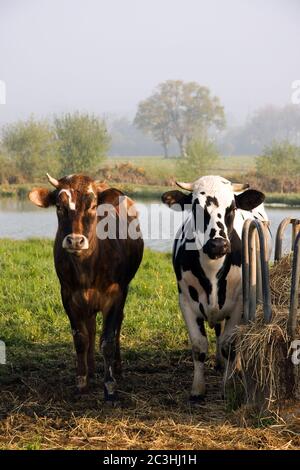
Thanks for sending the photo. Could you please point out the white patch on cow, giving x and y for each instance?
(69, 177)
(212, 184)
(218, 190)
(72, 204)
(111, 387)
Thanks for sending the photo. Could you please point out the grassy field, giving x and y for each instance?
(39, 407)
(163, 171)
(158, 168)
(31, 308)
(162, 168)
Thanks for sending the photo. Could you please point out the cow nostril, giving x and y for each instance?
(81, 240)
(69, 240)
(219, 243)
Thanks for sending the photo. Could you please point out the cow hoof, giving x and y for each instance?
(112, 400)
(110, 392)
(194, 399)
(81, 384)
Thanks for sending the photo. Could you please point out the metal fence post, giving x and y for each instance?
(250, 271)
(292, 320)
(280, 233)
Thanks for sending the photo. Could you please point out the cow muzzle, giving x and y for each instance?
(216, 248)
(75, 243)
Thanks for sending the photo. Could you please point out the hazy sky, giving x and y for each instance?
(104, 56)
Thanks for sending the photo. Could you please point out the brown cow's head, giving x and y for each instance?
(76, 198)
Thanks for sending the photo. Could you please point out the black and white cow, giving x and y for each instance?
(207, 261)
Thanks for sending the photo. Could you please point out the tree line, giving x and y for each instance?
(177, 112)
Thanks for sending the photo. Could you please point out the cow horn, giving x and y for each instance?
(239, 186)
(52, 180)
(186, 186)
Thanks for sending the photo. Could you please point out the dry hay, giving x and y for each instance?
(263, 350)
(280, 281)
(39, 409)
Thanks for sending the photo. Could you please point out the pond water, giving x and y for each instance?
(19, 219)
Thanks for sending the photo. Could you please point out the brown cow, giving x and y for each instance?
(94, 273)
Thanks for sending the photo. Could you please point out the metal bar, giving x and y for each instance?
(295, 231)
(280, 233)
(264, 271)
(250, 273)
(259, 295)
(245, 269)
(292, 320)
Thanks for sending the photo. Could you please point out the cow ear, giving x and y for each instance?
(118, 200)
(110, 196)
(249, 199)
(177, 200)
(42, 197)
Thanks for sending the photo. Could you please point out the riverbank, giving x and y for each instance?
(146, 192)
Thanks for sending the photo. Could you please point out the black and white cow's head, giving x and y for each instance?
(213, 202)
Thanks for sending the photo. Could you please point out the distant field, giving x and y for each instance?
(164, 171)
(160, 167)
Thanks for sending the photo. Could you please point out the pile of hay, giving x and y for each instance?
(280, 282)
(263, 362)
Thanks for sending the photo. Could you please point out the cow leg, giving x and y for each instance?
(81, 343)
(117, 361)
(219, 328)
(108, 348)
(197, 334)
(117, 366)
(91, 326)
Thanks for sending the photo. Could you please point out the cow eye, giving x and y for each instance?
(93, 207)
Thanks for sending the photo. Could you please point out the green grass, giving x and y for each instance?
(39, 406)
(290, 199)
(161, 168)
(164, 171)
(31, 311)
